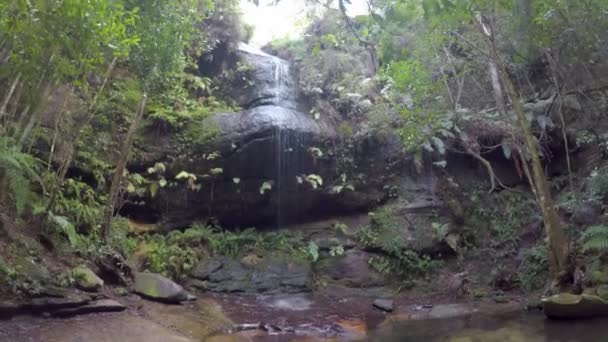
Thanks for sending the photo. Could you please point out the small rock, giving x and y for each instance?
(207, 267)
(156, 287)
(86, 279)
(121, 291)
(501, 299)
(479, 293)
(384, 304)
(190, 297)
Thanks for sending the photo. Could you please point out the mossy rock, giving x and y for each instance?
(599, 276)
(566, 305)
(479, 292)
(86, 279)
(33, 270)
(156, 287)
(602, 291)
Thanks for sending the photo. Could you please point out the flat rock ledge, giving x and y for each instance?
(59, 307)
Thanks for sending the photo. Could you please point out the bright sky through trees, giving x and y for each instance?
(285, 19)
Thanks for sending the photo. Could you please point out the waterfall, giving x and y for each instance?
(275, 101)
(281, 70)
(289, 144)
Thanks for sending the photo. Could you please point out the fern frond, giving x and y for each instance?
(17, 170)
(595, 231)
(595, 238)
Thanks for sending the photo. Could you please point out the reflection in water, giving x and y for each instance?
(518, 328)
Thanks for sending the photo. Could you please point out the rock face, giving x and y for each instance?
(272, 275)
(352, 269)
(68, 305)
(156, 287)
(271, 144)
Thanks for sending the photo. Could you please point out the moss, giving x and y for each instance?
(198, 134)
(86, 279)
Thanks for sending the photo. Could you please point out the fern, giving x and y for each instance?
(17, 172)
(595, 238)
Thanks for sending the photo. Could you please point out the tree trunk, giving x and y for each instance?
(120, 169)
(557, 248)
(557, 253)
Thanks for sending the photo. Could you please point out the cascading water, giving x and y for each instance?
(273, 101)
(284, 143)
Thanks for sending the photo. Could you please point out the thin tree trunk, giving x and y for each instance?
(553, 65)
(120, 169)
(62, 172)
(8, 96)
(496, 87)
(557, 253)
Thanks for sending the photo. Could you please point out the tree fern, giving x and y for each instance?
(16, 173)
(595, 238)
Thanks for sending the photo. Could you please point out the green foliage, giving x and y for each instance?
(170, 259)
(41, 35)
(500, 215)
(398, 260)
(165, 28)
(176, 253)
(313, 250)
(17, 171)
(67, 228)
(534, 269)
(198, 134)
(79, 202)
(597, 184)
(595, 238)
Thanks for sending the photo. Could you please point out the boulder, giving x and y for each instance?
(351, 269)
(566, 305)
(585, 214)
(156, 287)
(384, 304)
(268, 275)
(86, 279)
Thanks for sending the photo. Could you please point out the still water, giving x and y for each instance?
(524, 327)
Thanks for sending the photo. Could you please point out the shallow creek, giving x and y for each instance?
(520, 327)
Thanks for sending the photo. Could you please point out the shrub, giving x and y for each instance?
(383, 235)
(533, 272)
(597, 184)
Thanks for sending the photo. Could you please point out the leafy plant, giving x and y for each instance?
(336, 250)
(315, 181)
(595, 238)
(17, 170)
(67, 228)
(313, 251)
(597, 184)
(398, 258)
(265, 187)
(534, 269)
